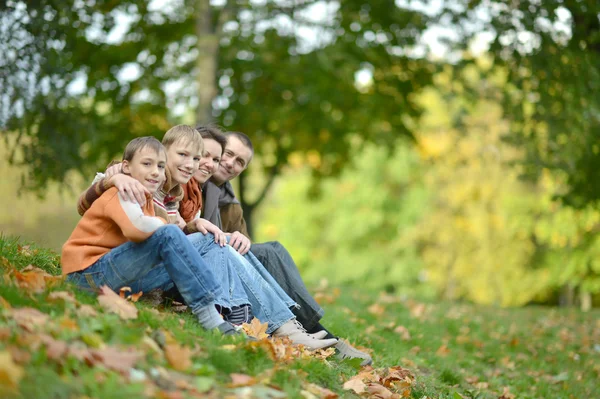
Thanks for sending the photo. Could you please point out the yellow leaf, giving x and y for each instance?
(112, 302)
(256, 329)
(10, 372)
(178, 356)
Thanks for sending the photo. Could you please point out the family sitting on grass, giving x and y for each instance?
(166, 218)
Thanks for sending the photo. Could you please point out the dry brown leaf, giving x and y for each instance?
(24, 250)
(376, 309)
(10, 372)
(86, 311)
(442, 351)
(62, 295)
(506, 394)
(29, 318)
(20, 356)
(178, 356)
(241, 380)
(403, 332)
(31, 281)
(4, 303)
(320, 392)
(379, 391)
(256, 329)
(112, 302)
(115, 359)
(55, 349)
(356, 385)
(136, 297)
(5, 333)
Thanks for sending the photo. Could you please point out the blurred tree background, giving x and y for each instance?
(446, 149)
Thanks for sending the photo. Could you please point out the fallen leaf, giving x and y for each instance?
(442, 351)
(356, 385)
(403, 332)
(115, 359)
(5, 333)
(31, 280)
(112, 302)
(24, 250)
(86, 311)
(4, 303)
(136, 297)
(376, 309)
(62, 295)
(319, 392)
(178, 356)
(10, 373)
(20, 356)
(256, 329)
(55, 349)
(241, 380)
(506, 394)
(380, 392)
(29, 318)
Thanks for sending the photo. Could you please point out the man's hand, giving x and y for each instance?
(113, 170)
(131, 189)
(204, 227)
(240, 243)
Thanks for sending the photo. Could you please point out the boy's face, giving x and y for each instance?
(234, 161)
(147, 167)
(209, 162)
(182, 161)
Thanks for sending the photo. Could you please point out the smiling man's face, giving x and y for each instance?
(234, 161)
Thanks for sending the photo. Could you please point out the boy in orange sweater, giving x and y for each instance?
(118, 243)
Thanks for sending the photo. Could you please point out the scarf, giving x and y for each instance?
(192, 200)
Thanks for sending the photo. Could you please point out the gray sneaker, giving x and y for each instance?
(347, 351)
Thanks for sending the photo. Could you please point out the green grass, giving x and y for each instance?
(452, 349)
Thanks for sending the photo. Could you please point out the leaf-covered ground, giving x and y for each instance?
(56, 342)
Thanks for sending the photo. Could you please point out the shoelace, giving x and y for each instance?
(302, 329)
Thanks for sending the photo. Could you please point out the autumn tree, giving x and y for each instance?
(83, 78)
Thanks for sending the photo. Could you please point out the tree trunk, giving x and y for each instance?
(206, 64)
(585, 299)
(567, 296)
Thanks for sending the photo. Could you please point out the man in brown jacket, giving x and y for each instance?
(224, 210)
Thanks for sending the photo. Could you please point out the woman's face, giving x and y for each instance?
(209, 162)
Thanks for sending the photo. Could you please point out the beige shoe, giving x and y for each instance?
(298, 335)
(319, 334)
(347, 351)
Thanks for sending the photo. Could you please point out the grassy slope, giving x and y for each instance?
(452, 349)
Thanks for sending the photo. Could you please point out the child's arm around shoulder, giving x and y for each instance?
(129, 216)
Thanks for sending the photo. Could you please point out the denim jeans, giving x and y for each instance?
(269, 303)
(164, 260)
(279, 263)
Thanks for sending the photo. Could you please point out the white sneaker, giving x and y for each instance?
(298, 335)
(319, 334)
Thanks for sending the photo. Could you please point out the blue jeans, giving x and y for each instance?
(164, 260)
(279, 264)
(269, 303)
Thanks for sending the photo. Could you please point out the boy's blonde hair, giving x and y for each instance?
(136, 145)
(186, 134)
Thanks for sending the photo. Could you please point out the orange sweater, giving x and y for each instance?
(110, 222)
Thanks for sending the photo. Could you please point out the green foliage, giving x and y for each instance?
(356, 230)
(452, 219)
(550, 53)
(272, 82)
